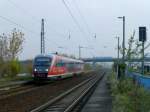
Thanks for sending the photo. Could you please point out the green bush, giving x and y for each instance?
(87, 66)
(26, 66)
(3, 69)
(128, 96)
(14, 68)
(29, 68)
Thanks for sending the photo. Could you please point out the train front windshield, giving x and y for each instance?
(42, 61)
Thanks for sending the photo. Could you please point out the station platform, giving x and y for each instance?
(100, 100)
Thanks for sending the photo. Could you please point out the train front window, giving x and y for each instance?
(42, 61)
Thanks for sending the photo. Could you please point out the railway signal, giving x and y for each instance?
(142, 38)
(142, 34)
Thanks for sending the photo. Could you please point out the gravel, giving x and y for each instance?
(29, 100)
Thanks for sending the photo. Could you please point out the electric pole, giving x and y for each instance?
(123, 43)
(118, 49)
(42, 38)
(123, 38)
(80, 51)
(118, 75)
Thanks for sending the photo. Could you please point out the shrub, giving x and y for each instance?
(14, 68)
(87, 67)
(29, 67)
(128, 96)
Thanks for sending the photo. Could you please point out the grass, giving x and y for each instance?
(128, 96)
(10, 80)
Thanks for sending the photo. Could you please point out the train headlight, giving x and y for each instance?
(46, 70)
(35, 69)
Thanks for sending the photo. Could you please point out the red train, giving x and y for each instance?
(55, 66)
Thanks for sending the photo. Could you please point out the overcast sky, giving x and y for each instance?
(92, 16)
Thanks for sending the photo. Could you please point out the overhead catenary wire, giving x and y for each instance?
(16, 24)
(23, 10)
(84, 20)
(36, 20)
(73, 18)
(71, 14)
(22, 27)
(82, 17)
(76, 22)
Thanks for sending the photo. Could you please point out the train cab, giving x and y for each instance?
(41, 66)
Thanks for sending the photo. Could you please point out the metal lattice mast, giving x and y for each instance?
(42, 38)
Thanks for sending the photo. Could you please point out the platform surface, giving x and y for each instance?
(100, 100)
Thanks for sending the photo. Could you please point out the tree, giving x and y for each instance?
(15, 44)
(132, 51)
(10, 46)
(3, 46)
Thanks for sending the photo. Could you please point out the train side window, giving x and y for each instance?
(60, 63)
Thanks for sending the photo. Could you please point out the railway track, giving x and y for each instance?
(13, 90)
(19, 89)
(73, 99)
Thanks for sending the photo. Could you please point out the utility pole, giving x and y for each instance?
(118, 48)
(42, 38)
(118, 74)
(123, 39)
(143, 57)
(123, 43)
(80, 51)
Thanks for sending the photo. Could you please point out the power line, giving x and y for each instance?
(14, 23)
(22, 9)
(84, 20)
(30, 15)
(73, 17)
(82, 16)
(76, 22)
(33, 18)
(37, 20)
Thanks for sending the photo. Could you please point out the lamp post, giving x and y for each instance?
(123, 43)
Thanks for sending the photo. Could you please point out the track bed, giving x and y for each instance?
(28, 100)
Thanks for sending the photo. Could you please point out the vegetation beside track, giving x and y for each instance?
(30, 99)
(9, 81)
(128, 96)
(10, 46)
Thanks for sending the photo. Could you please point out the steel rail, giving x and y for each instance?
(61, 96)
(73, 105)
